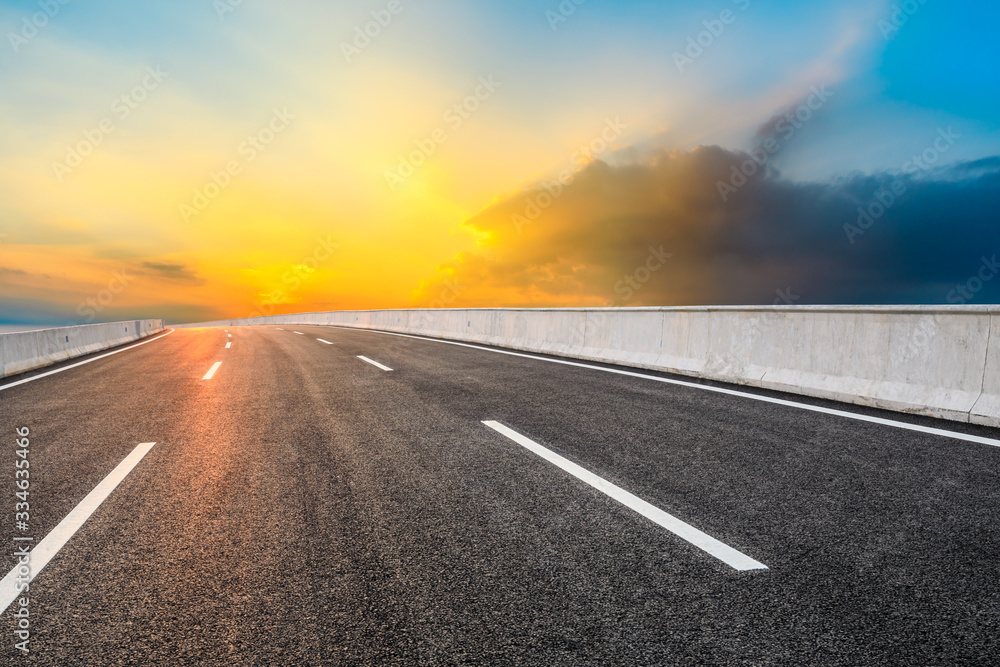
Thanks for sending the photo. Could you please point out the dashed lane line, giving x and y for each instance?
(687, 532)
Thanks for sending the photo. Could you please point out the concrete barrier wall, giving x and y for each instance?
(942, 361)
(28, 350)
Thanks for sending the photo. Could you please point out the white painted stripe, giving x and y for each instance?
(374, 363)
(324, 341)
(718, 390)
(228, 345)
(299, 333)
(229, 335)
(685, 531)
(81, 363)
(55, 540)
(280, 329)
(211, 371)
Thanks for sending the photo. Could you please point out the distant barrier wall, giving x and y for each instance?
(935, 360)
(27, 350)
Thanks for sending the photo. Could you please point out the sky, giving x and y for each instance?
(204, 159)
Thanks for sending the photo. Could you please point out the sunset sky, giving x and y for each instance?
(194, 160)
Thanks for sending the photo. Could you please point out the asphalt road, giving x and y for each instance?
(306, 507)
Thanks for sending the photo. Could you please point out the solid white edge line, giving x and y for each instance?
(374, 363)
(211, 371)
(57, 538)
(718, 390)
(324, 341)
(81, 363)
(707, 543)
(228, 345)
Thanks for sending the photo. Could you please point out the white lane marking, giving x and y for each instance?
(229, 335)
(324, 341)
(228, 345)
(55, 540)
(211, 371)
(718, 390)
(280, 329)
(374, 363)
(299, 333)
(81, 363)
(685, 531)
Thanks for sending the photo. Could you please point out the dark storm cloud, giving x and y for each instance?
(178, 272)
(882, 238)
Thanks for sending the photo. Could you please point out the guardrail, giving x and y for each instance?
(27, 350)
(941, 361)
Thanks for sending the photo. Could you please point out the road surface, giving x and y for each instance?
(319, 495)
